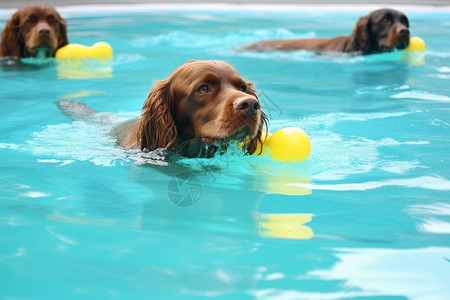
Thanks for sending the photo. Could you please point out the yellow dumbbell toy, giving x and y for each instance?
(100, 50)
(75, 61)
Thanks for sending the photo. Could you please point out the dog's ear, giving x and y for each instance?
(157, 128)
(252, 145)
(62, 38)
(11, 42)
(360, 38)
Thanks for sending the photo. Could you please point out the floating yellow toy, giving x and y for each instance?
(70, 64)
(100, 50)
(290, 144)
(416, 44)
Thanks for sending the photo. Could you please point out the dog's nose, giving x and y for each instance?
(404, 31)
(44, 32)
(247, 105)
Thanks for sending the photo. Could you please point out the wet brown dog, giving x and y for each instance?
(33, 31)
(200, 108)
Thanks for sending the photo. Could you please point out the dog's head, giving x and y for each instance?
(34, 30)
(204, 102)
(382, 30)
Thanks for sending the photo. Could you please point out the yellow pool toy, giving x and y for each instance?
(290, 144)
(100, 50)
(416, 44)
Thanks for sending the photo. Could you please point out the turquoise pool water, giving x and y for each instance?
(366, 217)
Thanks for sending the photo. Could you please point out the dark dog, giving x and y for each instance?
(381, 31)
(200, 108)
(33, 31)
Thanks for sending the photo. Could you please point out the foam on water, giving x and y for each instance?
(82, 141)
(422, 96)
(183, 39)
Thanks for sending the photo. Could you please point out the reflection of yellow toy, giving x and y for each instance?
(290, 144)
(81, 69)
(416, 44)
(100, 50)
(284, 226)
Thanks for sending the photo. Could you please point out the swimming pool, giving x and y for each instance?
(366, 217)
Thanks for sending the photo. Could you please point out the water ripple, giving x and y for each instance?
(423, 182)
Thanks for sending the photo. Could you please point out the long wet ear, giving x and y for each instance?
(10, 45)
(360, 38)
(252, 145)
(62, 39)
(157, 128)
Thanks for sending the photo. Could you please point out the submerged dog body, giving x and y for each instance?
(202, 106)
(382, 30)
(33, 31)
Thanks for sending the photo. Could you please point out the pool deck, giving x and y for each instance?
(10, 4)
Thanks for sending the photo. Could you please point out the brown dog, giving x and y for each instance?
(200, 108)
(382, 30)
(33, 31)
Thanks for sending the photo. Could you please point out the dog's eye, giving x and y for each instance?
(204, 89)
(404, 21)
(386, 20)
(54, 22)
(243, 88)
(30, 20)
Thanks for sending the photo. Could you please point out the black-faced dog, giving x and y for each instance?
(382, 30)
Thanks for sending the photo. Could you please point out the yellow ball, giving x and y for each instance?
(416, 44)
(100, 50)
(290, 144)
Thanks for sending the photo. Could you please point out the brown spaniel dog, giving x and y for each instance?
(198, 110)
(33, 31)
(382, 30)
